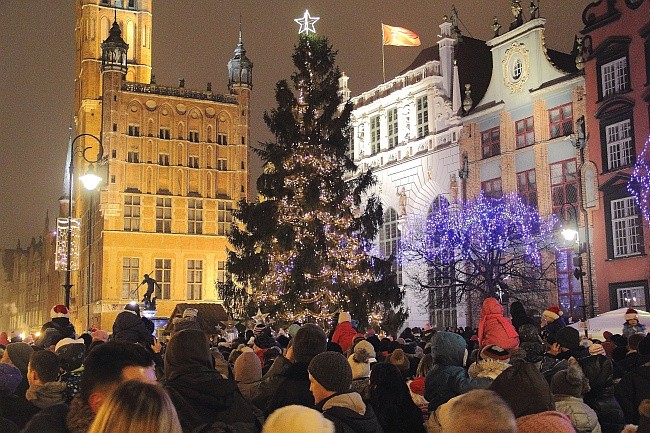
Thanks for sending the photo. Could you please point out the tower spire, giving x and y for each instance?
(240, 68)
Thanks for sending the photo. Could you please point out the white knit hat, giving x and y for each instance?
(344, 317)
(297, 419)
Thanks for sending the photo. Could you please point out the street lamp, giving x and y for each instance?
(571, 234)
(90, 180)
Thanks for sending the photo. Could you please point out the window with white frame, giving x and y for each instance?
(626, 227)
(422, 113)
(194, 279)
(163, 274)
(133, 156)
(163, 159)
(374, 135)
(132, 213)
(614, 77)
(620, 146)
(194, 216)
(222, 273)
(391, 116)
(130, 277)
(631, 297)
(389, 238)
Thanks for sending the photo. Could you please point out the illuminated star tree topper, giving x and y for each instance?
(307, 23)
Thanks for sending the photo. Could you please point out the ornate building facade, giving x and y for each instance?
(407, 132)
(174, 162)
(522, 137)
(617, 74)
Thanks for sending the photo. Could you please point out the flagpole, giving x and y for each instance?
(383, 62)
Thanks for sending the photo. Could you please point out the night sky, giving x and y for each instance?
(194, 39)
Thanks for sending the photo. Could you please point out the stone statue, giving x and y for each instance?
(151, 286)
(403, 199)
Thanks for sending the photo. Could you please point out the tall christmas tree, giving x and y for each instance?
(302, 252)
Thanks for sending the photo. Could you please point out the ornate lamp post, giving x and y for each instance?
(90, 180)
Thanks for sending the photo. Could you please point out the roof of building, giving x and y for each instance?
(474, 61)
(209, 316)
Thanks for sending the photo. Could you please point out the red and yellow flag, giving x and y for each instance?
(399, 36)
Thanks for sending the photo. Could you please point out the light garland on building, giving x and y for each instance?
(639, 184)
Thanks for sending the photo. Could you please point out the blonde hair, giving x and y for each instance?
(137, 407)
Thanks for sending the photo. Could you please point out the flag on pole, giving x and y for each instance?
(399, 36)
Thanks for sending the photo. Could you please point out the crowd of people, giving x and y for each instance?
(509, 375)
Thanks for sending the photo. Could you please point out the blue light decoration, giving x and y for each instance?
(639, 184)
(483, 242)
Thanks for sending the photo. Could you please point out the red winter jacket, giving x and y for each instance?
(344, 335)
(494, 328)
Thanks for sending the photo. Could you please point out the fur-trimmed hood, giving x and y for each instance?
(490, 368)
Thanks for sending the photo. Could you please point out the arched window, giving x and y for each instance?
(104, 28)
(389, 238)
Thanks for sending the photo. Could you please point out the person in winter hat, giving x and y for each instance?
(360, 364)
(248, 374)
(71, 354)
(189, 320)
(17, 354)
(344, 332)
(547, 422)
(480, 411)
(261, 344)
(448, 378)
(330, 377)
(291, 385)
(399, 359)
(494, 329)
(531, 342)
(568, 387)
(297, 419)
(552, 321)
(524, 388)
(10, 378)
(599, 371)
(60, 320)
(632, 325)
(493, 360)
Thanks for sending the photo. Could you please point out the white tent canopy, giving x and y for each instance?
(611, 321)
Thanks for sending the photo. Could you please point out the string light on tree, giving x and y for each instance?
(307, 23)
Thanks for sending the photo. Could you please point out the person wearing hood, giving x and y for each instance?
(519, 315)
(248, 374)
(330, 377)
(568, 386)
(492, 361)
(494, 329)
(600, 372)
(189, 320)
(129, 327)
(531, 342)
(344, 332)
(201, 396)
(71, 354)
(448, 378)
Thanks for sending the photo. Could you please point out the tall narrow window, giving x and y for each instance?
(224, 218)
(194, 279)
(163, 215)
(132, 213)
(222, 274)
(564, 190)
(491, 142)
(374, 134)
(527, 187)
(391, 116)
(193, 136)
(134, 130)
(620, 146)
(130, 277)
(389, 238)
(568, 286)
(614, 77)
(163, 274)
(422, 107)
(561, 120)
(193, 161)
(626, 228)
(525, 132)
(195, 216)
(133, 156)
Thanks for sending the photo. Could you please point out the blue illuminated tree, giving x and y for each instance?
(491, 246)
(639, 184)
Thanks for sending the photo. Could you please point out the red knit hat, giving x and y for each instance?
(631, 313)
(553, 313)
(59, 311)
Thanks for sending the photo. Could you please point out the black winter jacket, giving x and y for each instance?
(129, 327)
(633, 387)
(599, 370)
(293, 389)
(350, 414)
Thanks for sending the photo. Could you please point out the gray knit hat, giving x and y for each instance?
(310, 340)
(332, 371)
